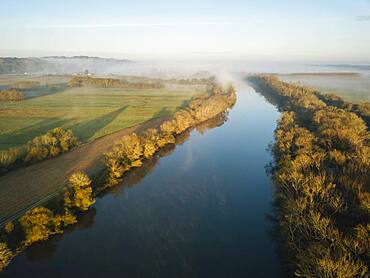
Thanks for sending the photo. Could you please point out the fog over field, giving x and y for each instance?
(186, 139)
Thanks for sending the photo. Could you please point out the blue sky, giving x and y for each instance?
(325, 30)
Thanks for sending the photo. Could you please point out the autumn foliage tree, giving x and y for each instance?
(79, 194)
(9, 227)
(86, 81)
(11, 95)
(40, 223)
(131, 150)
(5, 255)
(22, 85)
(51, 144)
(322, 174)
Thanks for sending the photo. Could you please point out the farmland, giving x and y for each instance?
(97, 116)
(48, 177)
(90, 112)
(350, 86)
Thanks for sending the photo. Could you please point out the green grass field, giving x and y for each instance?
(89, 112)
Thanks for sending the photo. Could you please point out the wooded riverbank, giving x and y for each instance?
(322, 177)
(40, 223)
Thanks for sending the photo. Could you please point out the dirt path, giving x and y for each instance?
(30, 186)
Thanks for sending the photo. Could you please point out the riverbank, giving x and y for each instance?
(28, 187)
(39, 223)
(321, 171)
(198, 210)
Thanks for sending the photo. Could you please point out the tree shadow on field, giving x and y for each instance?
(164, 112)
(23, 135)
(183, 104)
(43, 91)
(85, 130)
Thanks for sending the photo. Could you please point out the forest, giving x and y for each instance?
(22, 85)
(131, 151)
(59, 64)
(322, 176)
(81, 81)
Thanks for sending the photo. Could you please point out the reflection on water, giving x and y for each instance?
(197, 209)
(135, 175)
(44, 250)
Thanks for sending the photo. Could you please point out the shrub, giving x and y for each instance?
(11, 95)
(5, 255)
(26, 85)
(66, 219)
(166, 139)
(9, 227)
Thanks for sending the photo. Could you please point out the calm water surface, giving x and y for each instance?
(198, 212)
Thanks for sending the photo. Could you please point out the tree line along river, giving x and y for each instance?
(200, 210)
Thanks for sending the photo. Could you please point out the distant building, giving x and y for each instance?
(85, 73)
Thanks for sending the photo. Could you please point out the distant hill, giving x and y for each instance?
(60, 65)
(325, 74)
(21, 65)
(348, 66)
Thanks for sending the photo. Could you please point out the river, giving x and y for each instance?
(201, 211)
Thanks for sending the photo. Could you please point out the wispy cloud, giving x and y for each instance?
(363, 18)
(134, 24)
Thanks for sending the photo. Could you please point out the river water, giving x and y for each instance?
(200, 211)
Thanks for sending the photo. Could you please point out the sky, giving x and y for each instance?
(315, 30)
